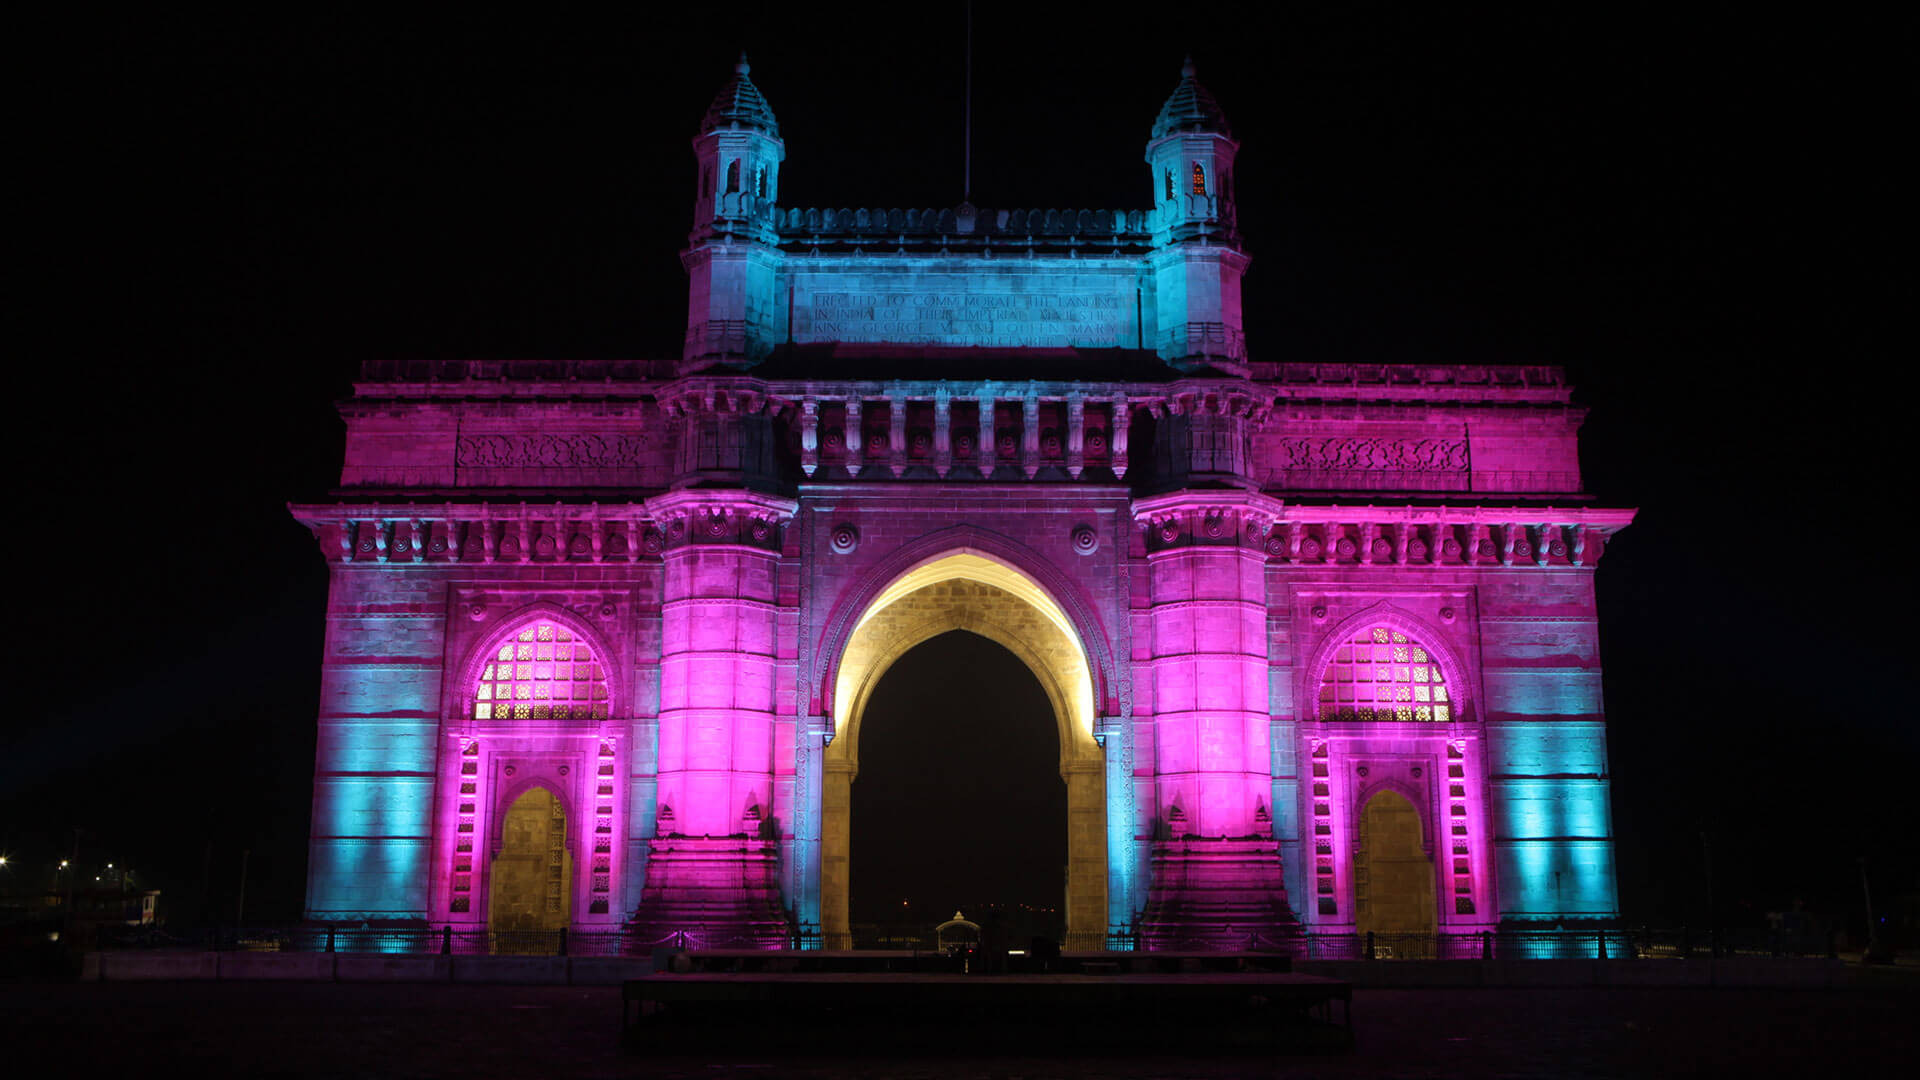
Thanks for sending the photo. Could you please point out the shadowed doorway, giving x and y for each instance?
(959, 804)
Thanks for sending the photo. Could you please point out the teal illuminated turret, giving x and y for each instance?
(731, 254)
(1197, 261)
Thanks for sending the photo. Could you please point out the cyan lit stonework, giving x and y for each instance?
(1320, 636)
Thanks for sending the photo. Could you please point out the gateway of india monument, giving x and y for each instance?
(1319, 633)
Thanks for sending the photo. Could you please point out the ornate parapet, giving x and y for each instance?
(963, 228)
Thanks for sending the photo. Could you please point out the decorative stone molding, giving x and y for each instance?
(1377, 537)
(411, 534)
(552, 450)
(1382, 455)
(696, 518)
(1207, 519)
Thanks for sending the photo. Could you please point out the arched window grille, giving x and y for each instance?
(1169, 183)
(760, 182)
(1199, 179)
(733, 175)
(544, 672)
(1382, 674)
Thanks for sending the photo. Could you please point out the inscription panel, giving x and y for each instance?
(1010, 308)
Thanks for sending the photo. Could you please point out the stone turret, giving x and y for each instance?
(1197, 263)
(730, 257)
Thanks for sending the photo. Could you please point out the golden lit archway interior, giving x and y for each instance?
(532, 872)
(965, 591)
(1392, 874)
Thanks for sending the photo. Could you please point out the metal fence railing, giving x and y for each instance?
(1609, 943)
(444, 940)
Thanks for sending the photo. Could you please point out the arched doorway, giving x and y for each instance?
(959, 805)
(967, 591)
(533, 870)
(1392, 874)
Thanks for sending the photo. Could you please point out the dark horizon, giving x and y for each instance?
(1697, 218)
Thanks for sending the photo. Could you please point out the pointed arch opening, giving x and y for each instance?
(958, 803)
(965, 590)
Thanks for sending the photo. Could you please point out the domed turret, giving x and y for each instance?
(738, 151)
(740, 104)
(1197, 260)
(1190, 108)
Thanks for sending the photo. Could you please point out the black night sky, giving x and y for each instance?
(1703, 217)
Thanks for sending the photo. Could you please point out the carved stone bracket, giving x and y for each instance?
(1207, 519)
(703, 517)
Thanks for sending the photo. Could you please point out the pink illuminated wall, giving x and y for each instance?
(716, 689)
(537, 712)
(1210, 689)
(1390, 719)
(1299, 584)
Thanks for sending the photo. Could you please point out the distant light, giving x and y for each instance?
(109, 866)
(3, 860)
(1016, 952)
(63, 864)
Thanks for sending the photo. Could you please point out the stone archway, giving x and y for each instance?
(965, 591)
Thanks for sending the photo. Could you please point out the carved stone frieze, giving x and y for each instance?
(552, 450)
(1373, 455)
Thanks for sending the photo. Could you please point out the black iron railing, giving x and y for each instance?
(1609, 943)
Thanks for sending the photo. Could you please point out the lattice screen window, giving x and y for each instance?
(542, 673)
(1381, 674)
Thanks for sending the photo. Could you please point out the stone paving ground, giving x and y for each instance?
(217, 1029)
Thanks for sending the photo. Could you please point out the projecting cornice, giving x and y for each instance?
(1379, 536)
(1333, 537)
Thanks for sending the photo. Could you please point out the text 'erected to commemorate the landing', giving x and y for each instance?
(998, 320)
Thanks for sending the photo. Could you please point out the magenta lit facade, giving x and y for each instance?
(1261, 593)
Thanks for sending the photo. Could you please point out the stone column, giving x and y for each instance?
(1076, 434)
(942, 432)
(1216, 880)
(809, 436)
(986, 453)
(1030, 434)
(897, 430)
(712, 871)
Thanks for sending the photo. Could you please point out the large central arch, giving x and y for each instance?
(969, 590)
